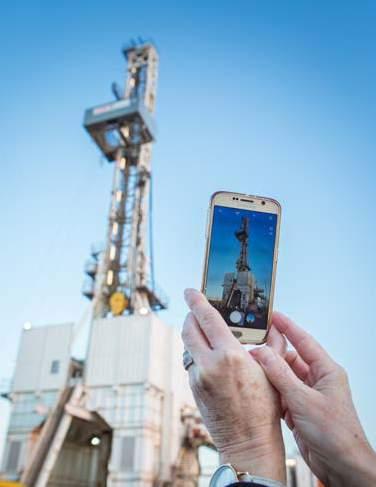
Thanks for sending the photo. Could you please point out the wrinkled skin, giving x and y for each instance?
(317, 406)
(239, 407)
(241, 396)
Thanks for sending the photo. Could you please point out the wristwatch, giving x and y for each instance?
(226, 475)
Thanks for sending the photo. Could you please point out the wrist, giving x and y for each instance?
(262, 455)
(358, 469)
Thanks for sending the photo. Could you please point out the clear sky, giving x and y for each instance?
(225, 247)
(262, 97)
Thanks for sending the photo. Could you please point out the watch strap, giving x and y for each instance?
(247, 477)
(254, 481)
(241, 479)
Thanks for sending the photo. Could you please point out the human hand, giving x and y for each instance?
(317, 406)
(239, 407)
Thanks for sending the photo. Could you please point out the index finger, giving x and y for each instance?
(194, 340)
(210, 321)
(307, 347)
(277, 341)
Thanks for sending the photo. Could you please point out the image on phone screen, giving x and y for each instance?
(240, 265)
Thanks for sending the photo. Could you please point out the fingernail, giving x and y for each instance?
(265, 354)
(189, 293)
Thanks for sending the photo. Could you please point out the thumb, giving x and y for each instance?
(280, 374)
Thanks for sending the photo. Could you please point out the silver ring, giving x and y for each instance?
(187, 359)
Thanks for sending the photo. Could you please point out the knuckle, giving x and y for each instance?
(341, 374)
(202, 380)
(281, 375)
(285, 380)
(230, 358)
(306, 341)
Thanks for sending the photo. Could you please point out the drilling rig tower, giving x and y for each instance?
(124, 416)
(121, 278)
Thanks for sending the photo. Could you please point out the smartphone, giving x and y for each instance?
(242, 233)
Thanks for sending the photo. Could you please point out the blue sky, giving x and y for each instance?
(225, 248)
(271, 98)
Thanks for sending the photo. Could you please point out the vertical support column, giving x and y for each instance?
(141, 83)
(108, 275)
(140, 263)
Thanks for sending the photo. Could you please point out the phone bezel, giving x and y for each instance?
(254, 203)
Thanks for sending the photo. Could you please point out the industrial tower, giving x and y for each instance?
(242, 235)
(124, 416)
(121, 277)
(133, 373)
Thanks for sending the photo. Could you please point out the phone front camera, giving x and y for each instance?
(263, 202)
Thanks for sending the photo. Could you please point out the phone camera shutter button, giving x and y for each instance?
(236, 316)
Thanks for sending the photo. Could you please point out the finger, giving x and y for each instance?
(277, 341)
(281, 376)
(194, 340)
(307, 347)
(297, 364)
(288, 420)
(210, 321)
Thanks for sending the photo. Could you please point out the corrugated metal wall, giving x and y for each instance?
(137, 383)
(118, 351)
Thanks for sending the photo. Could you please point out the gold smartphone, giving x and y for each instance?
(242, 233)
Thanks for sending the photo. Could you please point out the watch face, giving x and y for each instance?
(223, 476)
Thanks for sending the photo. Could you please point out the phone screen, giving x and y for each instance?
(240, 265)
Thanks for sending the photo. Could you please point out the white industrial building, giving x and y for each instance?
(138, 385)
(134, 382)
(40, 374)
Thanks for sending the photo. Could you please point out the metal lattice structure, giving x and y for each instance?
(121, 276)
(242, 235)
